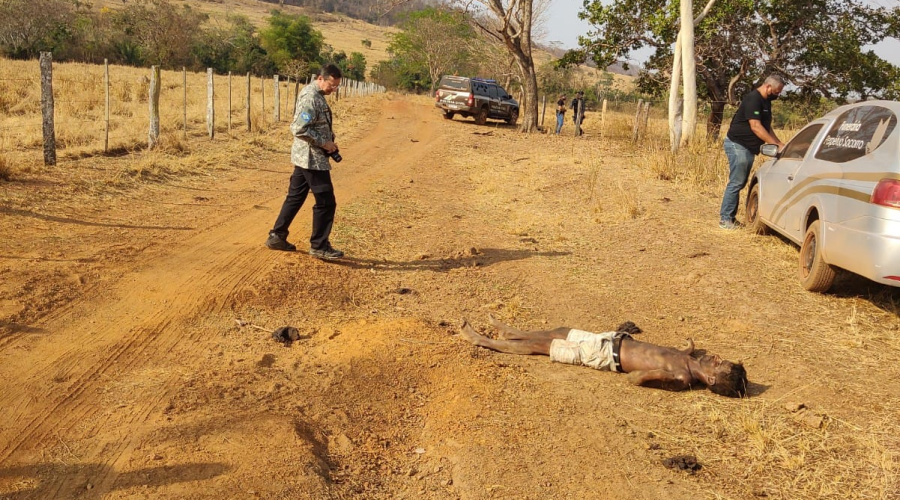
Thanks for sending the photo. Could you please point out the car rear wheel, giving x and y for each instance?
(753, 223)
(513, 117)
(481, 117)
(815, 274)
(449, 115)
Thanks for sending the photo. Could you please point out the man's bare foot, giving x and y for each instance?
(504, 331)
(467, 332)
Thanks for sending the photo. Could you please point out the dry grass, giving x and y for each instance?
(774, 449)
(80, 125)
(80, 110)
(6, 172)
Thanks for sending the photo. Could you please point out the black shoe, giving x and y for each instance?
(327, 253)
(276, 242)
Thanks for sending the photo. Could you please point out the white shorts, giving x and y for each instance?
(585, 348)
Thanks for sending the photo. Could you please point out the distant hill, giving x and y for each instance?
(372, 11)
(615, 68)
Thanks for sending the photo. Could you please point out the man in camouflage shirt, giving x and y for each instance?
(311, 152)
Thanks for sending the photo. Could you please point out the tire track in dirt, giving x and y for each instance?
(154, 307)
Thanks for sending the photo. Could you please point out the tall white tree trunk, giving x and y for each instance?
(675, 97)
(688, 64)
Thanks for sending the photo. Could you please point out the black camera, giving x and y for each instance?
(336, 156)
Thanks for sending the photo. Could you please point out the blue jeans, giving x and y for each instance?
(559, 121)
(740, 159)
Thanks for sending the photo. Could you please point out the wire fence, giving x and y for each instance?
(84, 109)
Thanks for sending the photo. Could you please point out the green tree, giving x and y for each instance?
(291, 38)
(352, 66)
(816, 44)
(28, 27)
(233, 47)
(157, 32)
(432, 42)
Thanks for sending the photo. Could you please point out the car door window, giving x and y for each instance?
(799, 145)
(493, 92)
(856, 133)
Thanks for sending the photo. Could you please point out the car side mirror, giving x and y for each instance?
(769, 150)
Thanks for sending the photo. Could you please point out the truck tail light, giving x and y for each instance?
(471, 100)
(437, 95)
(887, 193)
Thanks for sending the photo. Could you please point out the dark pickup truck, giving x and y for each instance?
(482, 99)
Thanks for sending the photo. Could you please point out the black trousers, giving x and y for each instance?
(302, 182)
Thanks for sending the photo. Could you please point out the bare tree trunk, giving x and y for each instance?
(675, 102)
(677, 119)
(689, 120)
(714, 122)
(529, 79)
(515, 19)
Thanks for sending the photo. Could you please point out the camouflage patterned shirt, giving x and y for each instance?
(311, 128)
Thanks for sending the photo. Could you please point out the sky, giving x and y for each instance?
(564, 27)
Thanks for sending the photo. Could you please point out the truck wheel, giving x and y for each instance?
(753, 223)
(481, 117)
(513, 117)
(449, 115)
(815, 274)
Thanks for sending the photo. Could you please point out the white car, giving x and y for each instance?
(834, 189)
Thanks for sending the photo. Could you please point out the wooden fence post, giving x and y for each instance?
(603, 118)
(635, 130)
(153, 134)
(276, 109)
(106, 88)
(248, 102)
(210, 104)
(47, 108)
(287, 96)
(579, 115)
(645, 118)
(229, 103)
(184, 101)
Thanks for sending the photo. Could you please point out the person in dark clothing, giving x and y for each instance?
(750, 128)
(577, 106)
(311, 152)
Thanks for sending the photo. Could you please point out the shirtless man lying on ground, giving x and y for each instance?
(646, 364)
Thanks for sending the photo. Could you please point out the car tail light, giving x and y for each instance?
(437, 95)
(887, 193)
(471, 100)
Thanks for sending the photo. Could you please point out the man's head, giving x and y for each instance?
(724, 377)
(329, 78)
(580, 93)
(772, 86)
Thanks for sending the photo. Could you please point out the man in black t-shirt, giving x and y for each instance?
(750, 128)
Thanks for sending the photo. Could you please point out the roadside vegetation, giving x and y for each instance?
(169, 35)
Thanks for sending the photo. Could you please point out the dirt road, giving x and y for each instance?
(135, 358)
